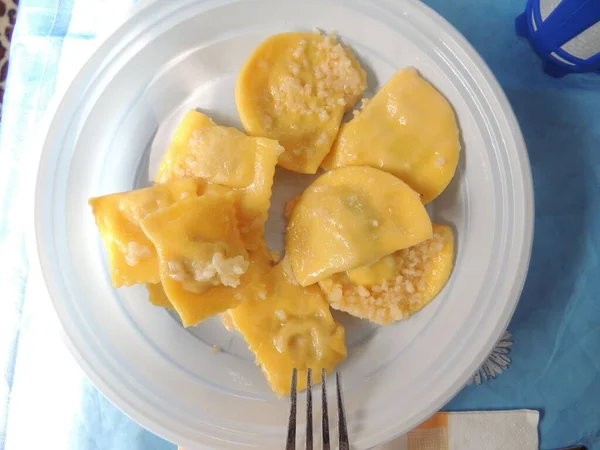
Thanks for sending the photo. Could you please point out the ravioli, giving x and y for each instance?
(202, 256)
(358, 239)
(289, 327)
(157, 296)
(352, 217)
(408, 129)
(226, 158)
(132, 256)
(399, 284)
(295, 88)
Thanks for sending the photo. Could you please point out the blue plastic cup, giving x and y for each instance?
(565, 34)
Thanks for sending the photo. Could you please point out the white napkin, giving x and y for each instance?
(477, 430)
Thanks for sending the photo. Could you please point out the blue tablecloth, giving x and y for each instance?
(46, 401)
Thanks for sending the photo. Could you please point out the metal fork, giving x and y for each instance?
(343, 430)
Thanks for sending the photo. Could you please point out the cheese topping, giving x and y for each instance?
(419, 274)
(295, 88)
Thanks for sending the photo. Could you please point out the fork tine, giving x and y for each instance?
(343, 441)
(309, 425)
(325, 419)
(290, 443)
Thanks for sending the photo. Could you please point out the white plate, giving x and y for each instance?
(118, 115)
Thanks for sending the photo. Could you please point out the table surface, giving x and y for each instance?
(45, 398)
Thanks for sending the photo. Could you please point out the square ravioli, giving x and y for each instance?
(132, 256)
(226, 157)
(287, 327)
(202, 256)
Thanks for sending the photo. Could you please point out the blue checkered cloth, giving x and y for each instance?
(47, 402)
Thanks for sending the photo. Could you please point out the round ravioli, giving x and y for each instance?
(399, 284)
(295, 88)
(408, 129)
(352, 217)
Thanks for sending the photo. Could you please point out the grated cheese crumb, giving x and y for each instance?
(388, 302)
(136, 252)
(333, 80)
(196, 276)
